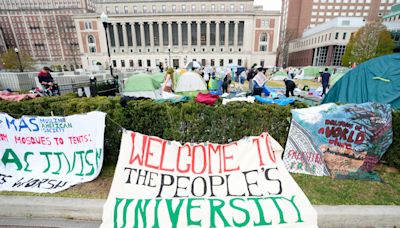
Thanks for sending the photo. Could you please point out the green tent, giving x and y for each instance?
(377, 80)
(142, 85)
(158, 76)
(334, 78)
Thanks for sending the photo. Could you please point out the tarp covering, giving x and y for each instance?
(161, 183)
(377, 80)
(344, 141)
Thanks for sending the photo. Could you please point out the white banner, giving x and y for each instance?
(160, 183)
(50, 154)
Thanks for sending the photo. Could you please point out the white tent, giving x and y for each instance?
(190, 81)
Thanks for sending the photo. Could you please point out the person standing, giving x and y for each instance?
(290, 86)
(250, 75)
(258, 82)
(325, 76)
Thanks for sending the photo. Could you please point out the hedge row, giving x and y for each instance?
(184, 122)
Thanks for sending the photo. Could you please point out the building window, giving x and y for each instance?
(184, 27)
(122, 63)
(135, 9)
(265, 23)
(231, 33)
(91, 44)
(212, 7)
(156, 34)
(239, 62)
(203, 8)
(240, 33)
(336, 36)
(344, 35)
(194, 33)
(173, 8)
(241, 8)
(203, 33)
(140, 63)
(193, 8)
(116, 10)
(164, 8)
(222, 33)
(222, 8)
(131, 63)
(183, 8)
(88, 25)
(126, 9)
(154, 9)
(232, 7)
(221, 62)
(144, 9)
(212, 33)
(114, 63)
(263, 45)
(148, 63)
(174, 33)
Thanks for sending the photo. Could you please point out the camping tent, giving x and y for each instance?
(142, 85)
(377, 80)
(190, 84)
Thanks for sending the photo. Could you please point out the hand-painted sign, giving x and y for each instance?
(160, 183)
(343, 141)
(50, 154)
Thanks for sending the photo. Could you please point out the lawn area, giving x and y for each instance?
(319, 190)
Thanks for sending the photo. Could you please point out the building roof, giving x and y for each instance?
(338, 22)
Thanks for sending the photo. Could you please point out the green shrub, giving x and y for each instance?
(184, 122)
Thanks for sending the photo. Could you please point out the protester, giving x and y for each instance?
(206, 77)
(47, 81)
(168, 81)
(161, 67)
(258, 82)
(290, 86)
(325, 81)
(250, 75)
(227, 81)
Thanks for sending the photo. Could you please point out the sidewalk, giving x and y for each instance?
(91, 210)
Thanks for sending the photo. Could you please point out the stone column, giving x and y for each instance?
(116, 37)
(226, 34)
(180, 35)
(142, 35)
(160, 34)
(170, 34)
(151, 31)
(198, 34)
(125, 36)
(217, 34)
(235, 38)
(208, 33)
(189, 33)
(133, 36)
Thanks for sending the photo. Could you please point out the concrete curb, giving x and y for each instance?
(91, 209)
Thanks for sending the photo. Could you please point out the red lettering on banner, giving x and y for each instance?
(215, 150)
(164, 143)
(149, 153)
(137, 156)
(226, 169)
(194, 159)
(179, 159)
(257, 140)
(271, 153)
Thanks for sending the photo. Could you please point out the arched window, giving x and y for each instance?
(263, 45)
(92, 44)
(90, 39)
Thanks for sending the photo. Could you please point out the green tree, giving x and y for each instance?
(371, 41)
(10, 60)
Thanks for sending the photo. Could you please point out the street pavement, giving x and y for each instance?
(31, 211)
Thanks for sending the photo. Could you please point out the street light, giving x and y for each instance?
(169, 55)
(19, 60)
(104, 19)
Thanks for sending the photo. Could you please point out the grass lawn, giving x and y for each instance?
(320, 190)
(300, 84)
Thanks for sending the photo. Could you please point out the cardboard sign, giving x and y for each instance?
(343, 141)
(160, 183)
(50, 154)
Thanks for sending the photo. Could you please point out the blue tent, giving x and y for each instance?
(376, 80)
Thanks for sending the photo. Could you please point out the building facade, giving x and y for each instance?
(44, 29)
(324, 45)
(300, 15)
(392, 22)
(143, 34)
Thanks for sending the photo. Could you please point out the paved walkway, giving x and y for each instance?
(37, 208)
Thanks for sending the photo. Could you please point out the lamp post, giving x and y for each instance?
(169, 55)
(104, 19)
(19, 60)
